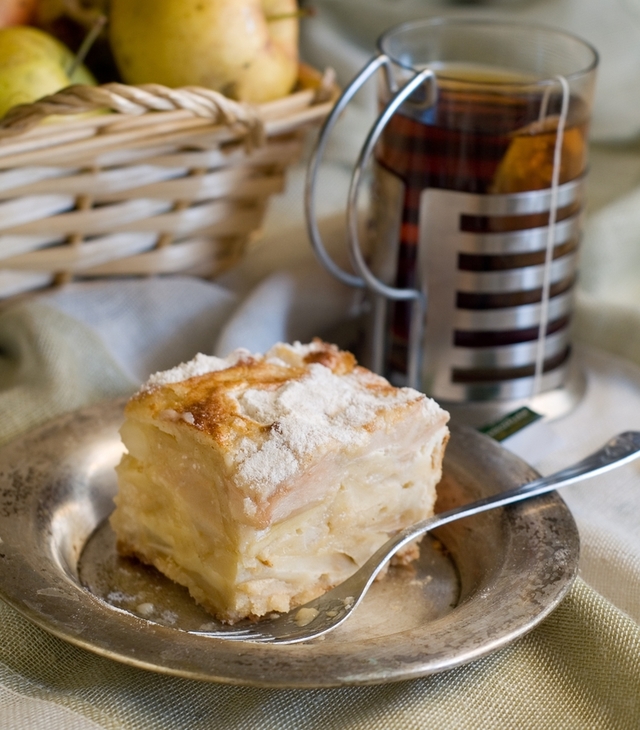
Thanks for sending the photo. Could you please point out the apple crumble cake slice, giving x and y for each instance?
(261, 481)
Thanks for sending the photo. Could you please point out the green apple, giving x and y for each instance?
(32, 65)
(246, 49)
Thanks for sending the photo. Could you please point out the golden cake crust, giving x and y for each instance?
(206, 397)
(206, 401)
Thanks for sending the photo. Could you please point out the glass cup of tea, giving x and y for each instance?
(478, 159)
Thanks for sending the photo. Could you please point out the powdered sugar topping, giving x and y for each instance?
(302, 417)
(305, 417)
(200, 365)
(280, 354)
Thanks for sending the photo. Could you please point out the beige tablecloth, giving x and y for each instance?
(579, 669)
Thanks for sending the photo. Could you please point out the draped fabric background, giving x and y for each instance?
(581, 667)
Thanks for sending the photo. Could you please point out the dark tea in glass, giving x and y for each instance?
(479, 164)
(484, 134)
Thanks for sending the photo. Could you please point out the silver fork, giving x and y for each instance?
(327, 612)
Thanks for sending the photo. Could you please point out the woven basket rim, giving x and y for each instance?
(128, 100)
(172, 181)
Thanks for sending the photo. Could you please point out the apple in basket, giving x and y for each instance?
(34, 64)
(246, 49)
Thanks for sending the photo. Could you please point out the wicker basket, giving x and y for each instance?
(172, 180)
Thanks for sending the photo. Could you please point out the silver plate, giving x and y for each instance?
(482, 583)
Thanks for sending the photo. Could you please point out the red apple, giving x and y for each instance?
(16, 12)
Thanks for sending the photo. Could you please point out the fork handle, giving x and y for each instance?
(619, 450)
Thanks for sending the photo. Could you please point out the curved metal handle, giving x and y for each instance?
(367, 278)
(370, 279)
(419, 297)
(314, 164)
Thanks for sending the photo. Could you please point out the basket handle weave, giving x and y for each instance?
(138, 100)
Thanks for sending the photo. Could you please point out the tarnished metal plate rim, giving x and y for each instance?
(503, 571)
